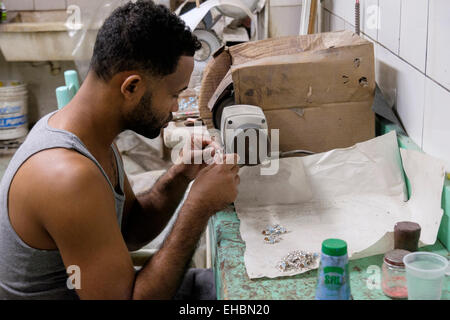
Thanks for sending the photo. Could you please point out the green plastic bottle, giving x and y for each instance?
(333, 277)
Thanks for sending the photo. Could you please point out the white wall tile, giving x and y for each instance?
(438, 56)
(94, 9)
(284, 20)
(413, 32)
(389, 27)
(336, 23)
(84, 4)
(49, 4)
(404, 87)
(349, 26)
(369, 16)
(19, 5)
(436, 134)
(345, 9)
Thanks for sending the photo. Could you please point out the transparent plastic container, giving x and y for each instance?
(425, 272)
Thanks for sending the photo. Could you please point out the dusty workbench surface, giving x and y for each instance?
(233, 283)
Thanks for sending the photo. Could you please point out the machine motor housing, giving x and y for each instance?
(244, 131)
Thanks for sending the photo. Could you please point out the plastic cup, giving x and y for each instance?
(425, 272)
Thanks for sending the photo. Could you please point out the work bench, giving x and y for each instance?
(232, 282)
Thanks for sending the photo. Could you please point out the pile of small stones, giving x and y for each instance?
(273, 233)
(297, 260)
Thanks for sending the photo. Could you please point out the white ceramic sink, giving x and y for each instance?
(43, 36)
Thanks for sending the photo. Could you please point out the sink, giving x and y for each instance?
(44, 36)
(35, 21)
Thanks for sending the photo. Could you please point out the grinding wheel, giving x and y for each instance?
(210, 44)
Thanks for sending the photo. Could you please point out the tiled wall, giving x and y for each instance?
(412, 51)
(23, 5)
(35, 4)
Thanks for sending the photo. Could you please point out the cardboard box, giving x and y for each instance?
(322, 128)
(316, 89)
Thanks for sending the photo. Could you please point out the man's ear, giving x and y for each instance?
(132, 87)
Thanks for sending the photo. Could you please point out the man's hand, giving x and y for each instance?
(216, 185)
(213, 189)
(146, 215)
(190, 163)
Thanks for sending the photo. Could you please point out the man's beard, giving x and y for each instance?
(142, 119)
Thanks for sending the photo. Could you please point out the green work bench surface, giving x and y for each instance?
(233, 283)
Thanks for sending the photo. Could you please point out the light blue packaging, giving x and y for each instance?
(65, 94)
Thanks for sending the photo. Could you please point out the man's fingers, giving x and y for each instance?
(231, 159)
(209, 167)
(200, 141)
(235, 169)
(206, 141)
(233, 163)
(198, 156)
(209, 151)
(205, 145)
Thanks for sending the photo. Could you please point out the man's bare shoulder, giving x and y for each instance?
(56, 176)
(59, 167)
(54, 190)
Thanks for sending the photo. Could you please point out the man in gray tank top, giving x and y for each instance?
(66, 206)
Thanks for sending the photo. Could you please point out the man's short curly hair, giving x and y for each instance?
(141, 36)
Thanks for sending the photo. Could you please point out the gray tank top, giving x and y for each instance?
(26, 272)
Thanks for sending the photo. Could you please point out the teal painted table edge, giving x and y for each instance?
(233, 283)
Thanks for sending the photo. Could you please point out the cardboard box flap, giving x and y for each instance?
(213, 74)
(293, 44)
(221, 89)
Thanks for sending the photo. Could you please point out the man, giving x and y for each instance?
(66, 203)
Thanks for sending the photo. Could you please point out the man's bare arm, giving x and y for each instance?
(214, 188)
(82, 222)
(147, 214)
(172, 259)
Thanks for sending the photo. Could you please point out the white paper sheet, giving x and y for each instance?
(356, 194)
